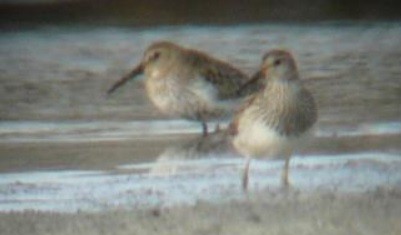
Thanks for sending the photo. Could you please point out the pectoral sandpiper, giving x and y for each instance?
(273, 121)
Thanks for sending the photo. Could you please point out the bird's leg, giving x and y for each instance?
(217, 129)
(204, 129)
(245, 177)
(284, 176)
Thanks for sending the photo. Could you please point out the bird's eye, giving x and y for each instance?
(277, 62)
(155, 56)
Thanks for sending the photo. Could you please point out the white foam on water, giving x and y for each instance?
(219, 179)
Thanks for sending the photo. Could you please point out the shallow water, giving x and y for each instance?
(188, 181)
(66, 146)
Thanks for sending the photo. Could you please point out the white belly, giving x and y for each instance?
(165, 96)
(254, 139)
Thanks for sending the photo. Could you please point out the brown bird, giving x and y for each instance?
(275, 120)
(187, 83)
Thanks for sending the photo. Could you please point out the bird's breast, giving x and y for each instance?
(256, 139)
(163, 91)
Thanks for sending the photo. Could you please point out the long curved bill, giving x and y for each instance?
(135, 72)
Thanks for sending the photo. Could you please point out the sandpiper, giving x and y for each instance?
(273, 121)
(187, 83)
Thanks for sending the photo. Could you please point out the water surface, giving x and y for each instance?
(65, 145)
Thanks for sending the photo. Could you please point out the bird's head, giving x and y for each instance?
(161, 56)
(278, 65)
(156, 58)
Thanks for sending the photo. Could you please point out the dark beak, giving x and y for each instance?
(251, 85)
(138, 70)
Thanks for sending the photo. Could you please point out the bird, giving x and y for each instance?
(275, 120)
(187, 83)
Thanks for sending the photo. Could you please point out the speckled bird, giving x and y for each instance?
(187, 83)
(277, 119)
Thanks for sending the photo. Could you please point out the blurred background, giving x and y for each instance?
(65, 145)
(59, 57)
(158, 12)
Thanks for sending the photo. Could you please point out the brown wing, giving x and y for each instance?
(305, 115)
(309, 110)
(222, 75)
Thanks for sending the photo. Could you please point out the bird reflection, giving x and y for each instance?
(194, 155)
